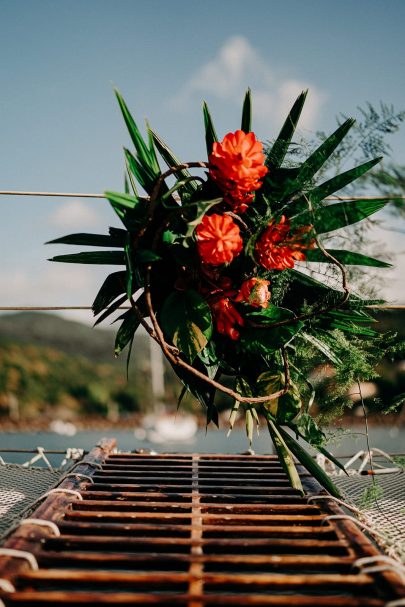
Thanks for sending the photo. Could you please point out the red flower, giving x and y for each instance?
(237, 165)
(226, 317)
(255, 292)
(218, 239)
(278, 249)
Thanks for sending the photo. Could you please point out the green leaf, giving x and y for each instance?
(331, 217)
(233, 416)
(203, 392)
(124, 200)
(270, 314)
(171, 160)
(307, 428)
(210, 359)
(146, 256)
(279, 148)
(247, 112)
(112, 308)
(129, 176)
(91, 240)
(145, 177)
(309, 463)
(131, 343)
(132, 210)
(130, 269)
(284, 454)
(112, 287)
(351, 323)
(147, 156)
(249, 426)
(178, 186)
(322, 347)
(285, 407)
(198, 210)
(338, 182)
(265, 341)
(126, 332)
(311, 166)
(346, 257)
(210, 134)
(186, 320)
(115, 258)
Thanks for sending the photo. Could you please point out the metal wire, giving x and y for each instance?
(82, 195)
(62, 308)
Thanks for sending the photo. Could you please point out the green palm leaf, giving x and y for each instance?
(331, 217)
(340, 181)
(284, 453)
(91, 240)
(246, 125)
(115, 258)
(126, 332)
(279, 148)
(147, 156)
(317, 159)
(210, 134)
(112, 287)
(347, 257)
(310, 464)
(171, 160)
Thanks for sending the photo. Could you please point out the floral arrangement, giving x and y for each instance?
(215, 268)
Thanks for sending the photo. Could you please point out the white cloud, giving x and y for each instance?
(74, 214)
(53, 284)
(238, 65)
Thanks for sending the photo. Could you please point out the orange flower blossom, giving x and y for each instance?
(226, 317)
(218, 239)
(278, 248)
(255, 292)
(237, 165)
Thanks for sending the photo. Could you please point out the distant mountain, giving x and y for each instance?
(52, 366)
(64, 335)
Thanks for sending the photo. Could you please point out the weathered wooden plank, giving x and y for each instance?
(31, 599)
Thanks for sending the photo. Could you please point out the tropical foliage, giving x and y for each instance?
(220, 265)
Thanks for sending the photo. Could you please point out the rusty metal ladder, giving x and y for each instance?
(190, 530)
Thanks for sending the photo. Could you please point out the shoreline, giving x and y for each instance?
(135, 421)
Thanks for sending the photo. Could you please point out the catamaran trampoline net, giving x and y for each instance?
(19, 488)
(382, 501)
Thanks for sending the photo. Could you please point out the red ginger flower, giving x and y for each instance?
(255, 292)
(226, 317)
(278, 249)
(218, 239)
(237, 165)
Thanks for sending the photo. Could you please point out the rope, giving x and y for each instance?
(334, 499)
(78, 475)
(41, 523)
(21, 554)
(378, 568)
(56, 490)
(61, 194)
(61, 308)
(6, 586)
(370, 560)
(84, 463)
(40, 455)
(81, 195)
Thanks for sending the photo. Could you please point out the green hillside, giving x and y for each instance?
(63, 335)
(51, 366)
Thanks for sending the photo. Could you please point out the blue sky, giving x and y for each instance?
(61, 129)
